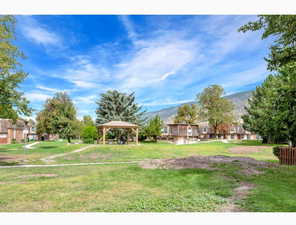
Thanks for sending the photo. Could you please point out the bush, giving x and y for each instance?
(276, 151)
(13, 141)
(88, 141)
(89, 134)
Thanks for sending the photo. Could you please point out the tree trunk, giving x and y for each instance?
(69, 139)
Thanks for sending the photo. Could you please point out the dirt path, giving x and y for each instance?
(29, 146)
(239, 193)
(70, 164)
(51, 158)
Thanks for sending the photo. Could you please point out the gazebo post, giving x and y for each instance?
(103, 135)
(137, 134)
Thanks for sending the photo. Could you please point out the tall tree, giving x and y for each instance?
(282, 29)
(272, 109)
(114, 105)
(214, 108)
(12, 101)
(153, 128)
(187, 114)
(261, 113)
(59, 116)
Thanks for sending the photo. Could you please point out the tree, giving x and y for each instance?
(282, 29)
(214, 108)
(89, 134)
(87, 121)
(153, 128)
(12, 101)
(272, 108)
(114, 105)
(261, 112)
(187, 114)
(58, 117)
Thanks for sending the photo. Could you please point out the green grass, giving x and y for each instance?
(129, 188)
(160, 150)
(19, 155)
(112, 188)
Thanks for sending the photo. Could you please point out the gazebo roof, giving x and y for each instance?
(118, 124)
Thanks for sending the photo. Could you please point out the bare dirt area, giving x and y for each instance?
(247, 149)
(249, 166)
(240, 193)
(10, 158)
(39, 175)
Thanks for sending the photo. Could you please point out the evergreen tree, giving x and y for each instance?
(12, 102)
(187, 114)
(214, 108)
(114, 105)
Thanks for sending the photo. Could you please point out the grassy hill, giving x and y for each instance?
(239, 99)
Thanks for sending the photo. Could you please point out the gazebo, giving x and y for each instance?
(118, 124)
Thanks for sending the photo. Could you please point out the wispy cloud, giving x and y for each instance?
(37, 96)
(38, 33)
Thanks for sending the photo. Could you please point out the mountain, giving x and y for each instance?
(239, 100)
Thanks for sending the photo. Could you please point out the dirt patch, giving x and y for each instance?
(39, 175)
(9, 158)
(240, 193)
(247, 149)
(249, 166)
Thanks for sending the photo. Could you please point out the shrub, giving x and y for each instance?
(276, 151)
(89, 134)
(13, 141)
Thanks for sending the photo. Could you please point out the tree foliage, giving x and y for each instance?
(153, 128)
(114, 105)
(12, 101)
(58, 117)
(282, 29)
(214, 108)
(89, 134)
(271, 111)
(187, 114)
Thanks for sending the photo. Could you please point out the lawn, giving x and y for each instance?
(15, 154)
(129, 188)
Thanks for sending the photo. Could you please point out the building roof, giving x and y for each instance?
(6, 124)
(118, 124)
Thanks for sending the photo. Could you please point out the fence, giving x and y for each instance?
(287, 156)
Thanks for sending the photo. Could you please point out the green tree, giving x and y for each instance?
(214, 108)
(153, 128)
(89, 134)
(272, 108)
(187, 114)
(58, 117)
(12, 101)
(282, 29)
(261, 112)
(88, 121)
(114, 105)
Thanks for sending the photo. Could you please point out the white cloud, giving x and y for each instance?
(35, 96)
(129, 27)
(86, 99)
(38, 33)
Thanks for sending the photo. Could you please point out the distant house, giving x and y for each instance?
(182, 133)
(186, 134)
(48, 137)
(232, 132)
(20, 131)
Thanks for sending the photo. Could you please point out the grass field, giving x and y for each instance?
(129, 188)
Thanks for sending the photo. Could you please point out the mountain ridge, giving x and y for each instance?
(239, 99)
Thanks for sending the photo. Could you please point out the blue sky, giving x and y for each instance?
(165, 60)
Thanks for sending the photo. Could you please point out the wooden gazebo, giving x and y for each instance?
(118, 124)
